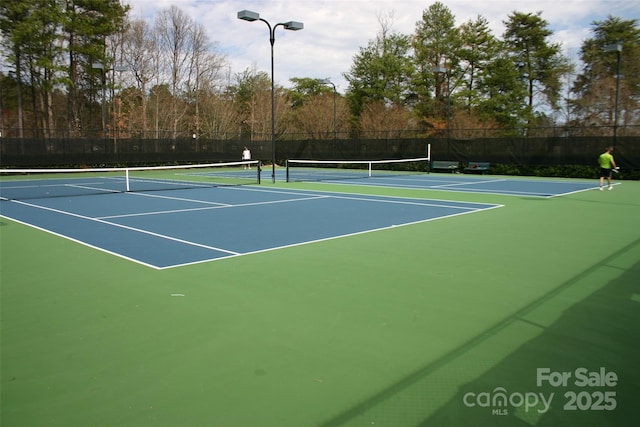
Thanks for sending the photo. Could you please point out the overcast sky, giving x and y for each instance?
(334, 30)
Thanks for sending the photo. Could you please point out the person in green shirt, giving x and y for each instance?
(607, 165)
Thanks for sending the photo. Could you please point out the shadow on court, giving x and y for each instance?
(597, 333)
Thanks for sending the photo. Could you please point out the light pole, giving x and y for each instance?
(615, 47)
(103, 72)
(335, 93)
(247, 15)
(445, 72)
(103, 77)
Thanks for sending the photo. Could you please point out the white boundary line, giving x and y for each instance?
(138, 230)
(363, 183)
(312, 196)
(334, 237)
(64, 236)
(335, 194)
(485, 181)
(405, 203)
(578, 191)
(157, 196)
(365, 197)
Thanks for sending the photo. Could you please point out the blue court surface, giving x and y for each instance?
(502, 185)
(164, 229)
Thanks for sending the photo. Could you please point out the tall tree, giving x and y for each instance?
(220, 117)
(540, 62)
(381, 72)
(305, 89)
(595, 86)
(313, 109)
(189, 60)
(86, 27)
(436, 43)
(478, 48)
(139, 51)
(252, 93)
(502, 93)
(45, 62)
(173, 27)
(15, 30)
(205, 72)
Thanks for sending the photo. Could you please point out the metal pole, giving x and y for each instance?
(247, 15)
(335, 94)
(615, 112)
(335, 134)
(272, 39)
(617, 47)
(104, 108)
(449, 114)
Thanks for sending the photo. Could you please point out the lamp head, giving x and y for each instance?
(247, 15)
(293, 25)
(614, 47)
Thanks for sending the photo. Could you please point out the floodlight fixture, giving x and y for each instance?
(293, 26)
(247, 15)
(613, 47)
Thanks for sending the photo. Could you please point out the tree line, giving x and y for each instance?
(78, 68)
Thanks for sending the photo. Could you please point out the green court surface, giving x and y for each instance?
(526, 315)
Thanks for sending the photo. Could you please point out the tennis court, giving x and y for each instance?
(468, 184)
(428, 300)
(177, 227)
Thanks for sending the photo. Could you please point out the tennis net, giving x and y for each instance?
(320, 170)
(21, 184)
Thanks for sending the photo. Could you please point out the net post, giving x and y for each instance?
(126, 179)
(287, 170)
(259, 168)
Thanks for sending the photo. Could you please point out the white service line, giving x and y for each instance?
(292, 245)
(212, 207)
(404, 202)
(85, 187)
(309, 192)
(138, 230)
(183, 199)
(470, 183)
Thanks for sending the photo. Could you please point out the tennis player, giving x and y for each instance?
(607, 165)
(246, 155)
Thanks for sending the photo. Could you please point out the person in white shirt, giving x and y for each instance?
(246, 155)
